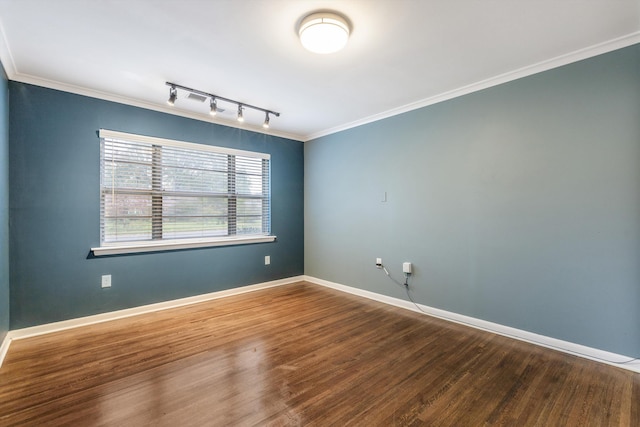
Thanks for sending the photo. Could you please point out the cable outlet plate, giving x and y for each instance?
(106, 281)
(378, 262)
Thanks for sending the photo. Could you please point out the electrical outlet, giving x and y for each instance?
(406, 268)
(267, 260)
(106, 281)
(378, 262)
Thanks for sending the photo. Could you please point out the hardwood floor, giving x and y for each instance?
(303, 355)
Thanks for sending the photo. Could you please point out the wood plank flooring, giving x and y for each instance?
(303, 355)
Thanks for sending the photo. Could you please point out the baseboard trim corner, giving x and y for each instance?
(129, 312)
(4, 348)
(574, 349)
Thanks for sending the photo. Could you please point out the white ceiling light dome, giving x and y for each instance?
(324, 32)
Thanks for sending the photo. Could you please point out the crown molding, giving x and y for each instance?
(5, 55)
(608, 46)
(578, 55)
(92, 93)
(12, 72)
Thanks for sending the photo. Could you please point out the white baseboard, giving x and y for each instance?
(120, 314)
(530, 337)
(4, 348)
(507, 331)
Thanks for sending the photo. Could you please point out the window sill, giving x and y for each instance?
(172, 245)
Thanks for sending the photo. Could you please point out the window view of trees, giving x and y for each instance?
(152, 192)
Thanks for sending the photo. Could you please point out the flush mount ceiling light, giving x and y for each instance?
(324, 32)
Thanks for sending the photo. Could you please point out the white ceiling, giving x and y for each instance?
(402, 54)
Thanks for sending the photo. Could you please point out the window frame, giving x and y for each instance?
(166, 244)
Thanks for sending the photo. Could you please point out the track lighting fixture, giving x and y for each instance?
(173, 95)
(214, 107)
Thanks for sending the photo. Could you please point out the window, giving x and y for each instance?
(158, 194)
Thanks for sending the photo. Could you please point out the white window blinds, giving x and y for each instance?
(155, 189)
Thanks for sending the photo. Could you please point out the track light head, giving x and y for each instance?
(173, 95)
(266, 121)
(214, 107)
(240, 116)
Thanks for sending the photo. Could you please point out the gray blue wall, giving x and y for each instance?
(4, 204)
(55, 219)
(518, 204)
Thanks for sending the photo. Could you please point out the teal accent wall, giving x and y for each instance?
(55, 217)
(518, 204)
(4, 204)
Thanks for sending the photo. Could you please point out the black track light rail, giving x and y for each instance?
(222, 98)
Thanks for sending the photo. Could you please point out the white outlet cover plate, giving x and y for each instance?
(106, 281)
